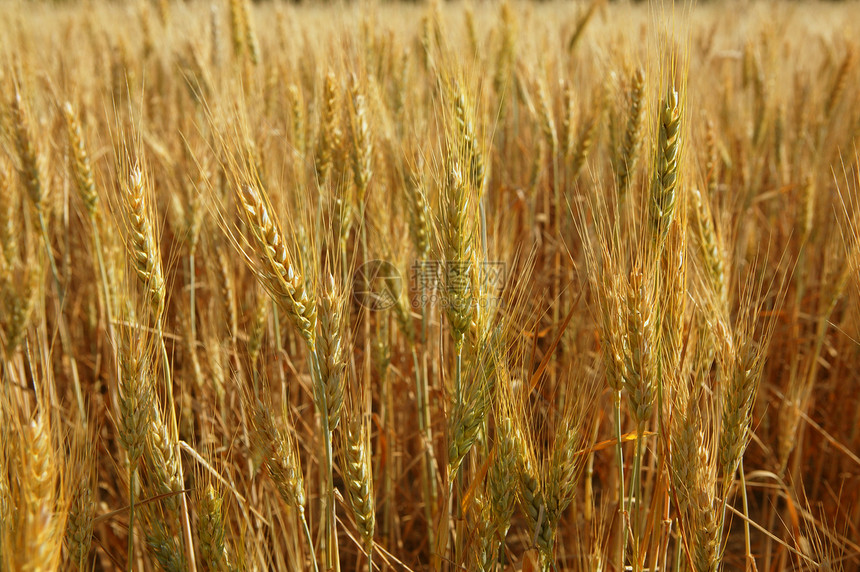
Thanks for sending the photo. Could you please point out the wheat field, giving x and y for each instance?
(437, 286)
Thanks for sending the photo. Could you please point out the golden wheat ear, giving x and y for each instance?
(633, 134)
(81, 479)
(359, 478)
(143, 248)
(80, 161)
(331, 350)
(32, 162)
(663, 194)
(211, 534)
(330, 134)
(273, 264)
(281, 458)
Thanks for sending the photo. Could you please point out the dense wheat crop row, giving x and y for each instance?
(491, 286)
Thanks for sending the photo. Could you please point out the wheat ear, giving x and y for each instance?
(742, 371)
(136, 394)
(81, 167)
(710, 247)
(663, 195)
(19, 289)
(8, 212)
(501, 479)
(532, 500)
(143, 248)
(331, 351)
(330, 135)
(162, 543)
(32, 170)
(361, 151)
(210, 530)
(629, 153)
(458, 253)
(359, 480)
(468, 415)
(274, 267)
(162, 463)
(41, 521)
(297, 119)
(281, 459)
(639, 373)
(82, 506)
